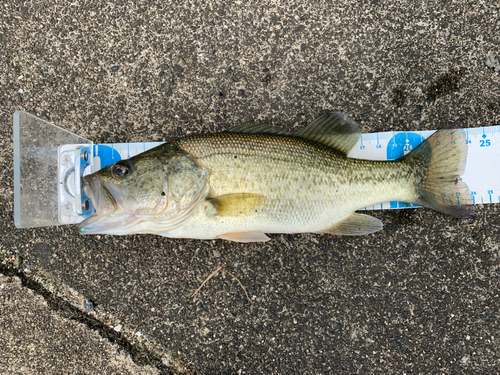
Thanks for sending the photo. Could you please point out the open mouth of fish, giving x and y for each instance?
(106, 200)
(101, 195)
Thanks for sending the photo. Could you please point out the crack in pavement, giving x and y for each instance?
(140, 356)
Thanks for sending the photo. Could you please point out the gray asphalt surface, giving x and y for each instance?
(422, 296)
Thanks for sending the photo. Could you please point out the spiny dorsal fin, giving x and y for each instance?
(355, 225)
(244, 237)
(334, 129)
(241, 204)
(254, 127)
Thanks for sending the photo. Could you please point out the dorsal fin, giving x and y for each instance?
(254, 127)
(334, 129)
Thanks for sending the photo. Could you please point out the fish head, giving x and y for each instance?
(153, 192)
(124, 194)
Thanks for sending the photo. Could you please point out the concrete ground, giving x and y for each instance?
(421, 296)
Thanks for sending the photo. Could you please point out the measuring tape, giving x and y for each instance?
(482, 172)
(54, 196)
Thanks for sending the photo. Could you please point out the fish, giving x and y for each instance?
(257, 179)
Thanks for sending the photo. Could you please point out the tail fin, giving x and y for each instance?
(441, 159)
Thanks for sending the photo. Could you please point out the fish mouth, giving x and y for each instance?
(107, 202)
(91, 190)
(99, 194)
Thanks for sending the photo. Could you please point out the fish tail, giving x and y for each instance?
(439, 162)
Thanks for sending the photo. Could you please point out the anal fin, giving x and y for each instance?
(355, 225)
(253, 236)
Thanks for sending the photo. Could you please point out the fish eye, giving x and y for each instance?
(121, 170)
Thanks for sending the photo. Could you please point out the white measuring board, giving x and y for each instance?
(482, 172)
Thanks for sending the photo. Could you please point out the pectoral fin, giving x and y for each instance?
(241, 204)
(244, 237)
(355, 225)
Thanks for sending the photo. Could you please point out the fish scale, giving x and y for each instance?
(239, 185)
(304, 181)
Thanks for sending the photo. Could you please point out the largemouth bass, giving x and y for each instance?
(257, 179)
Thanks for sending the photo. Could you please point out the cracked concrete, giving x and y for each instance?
(18, 310)
(35, 339)
(420, 296)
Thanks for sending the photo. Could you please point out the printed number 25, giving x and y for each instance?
(484, 143)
